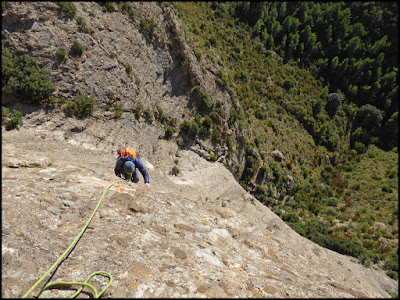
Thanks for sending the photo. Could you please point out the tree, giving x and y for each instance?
(276, 29)
(282, 9)
(329, 34)
(23, 77)
(264, 35)
(353, 45)
(358, 29)
(258, 27)
(305, 34)
(287, 23)
(393, 128)
(379, 45)
(293, 42)
(284, 39)
(249, 12)
(369, 116)
(255, 10)
(335, 62)
(334, 100)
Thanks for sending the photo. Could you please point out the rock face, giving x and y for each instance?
(157, 77)
(197, 234)
(277, 155)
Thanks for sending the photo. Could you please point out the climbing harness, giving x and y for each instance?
(82, 284)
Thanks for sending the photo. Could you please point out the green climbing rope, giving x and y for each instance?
(96, 295)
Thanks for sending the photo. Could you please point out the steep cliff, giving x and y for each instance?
(194, 234)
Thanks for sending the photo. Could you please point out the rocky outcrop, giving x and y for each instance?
(116, 42)
(157, 75)
(198, 234)
(277, 155)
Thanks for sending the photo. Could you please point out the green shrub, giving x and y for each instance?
(175, 171)
(359, 147)
(387, 189)
(138, 111)
(137, 79)
(11, 119)
(233, 116)
(52, 102)
(148, 27)
(191, 129)
(148, 115)
(392, 264)
(260, 113)
(332, 201)
(206, 124)
(202, 98)
(80, 21)
(197, 53)
(330, 211)
(81, 107)
(160, 115)
(82, 25)
(68, 9)
(394, 275)
(278, 212)
(392, 172)
(276, 170)
(314, 208)
(23, 78)
(169, 131)
(369, 218)
(213, 41)
(118, 110)
(223, 80)
(125, 8)
(76, 49)
(61, 54)
(181, 144)
(109, 6)
(128, 69)
(289, 83)
(291, 217)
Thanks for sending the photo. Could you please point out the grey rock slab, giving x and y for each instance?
(139, 246)
(68, 203)
(54, 210)
(209, 257)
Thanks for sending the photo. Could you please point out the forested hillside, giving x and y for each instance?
(353, 46)
(332, 67)
(308, 117)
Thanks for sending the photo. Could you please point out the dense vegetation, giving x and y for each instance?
(352, 45)
(11, 119)
(316, 82)
(303, 83)
(22, 77)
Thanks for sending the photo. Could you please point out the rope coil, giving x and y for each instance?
(96, 295)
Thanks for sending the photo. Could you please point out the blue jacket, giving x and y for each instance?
(119, 167)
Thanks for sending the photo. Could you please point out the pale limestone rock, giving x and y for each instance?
(172, 240)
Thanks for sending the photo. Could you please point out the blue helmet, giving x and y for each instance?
(129, 167)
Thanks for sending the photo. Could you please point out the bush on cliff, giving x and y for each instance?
(81, 107)
(23, 77)
(11, 119)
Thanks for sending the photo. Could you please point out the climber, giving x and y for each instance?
(129, 166)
